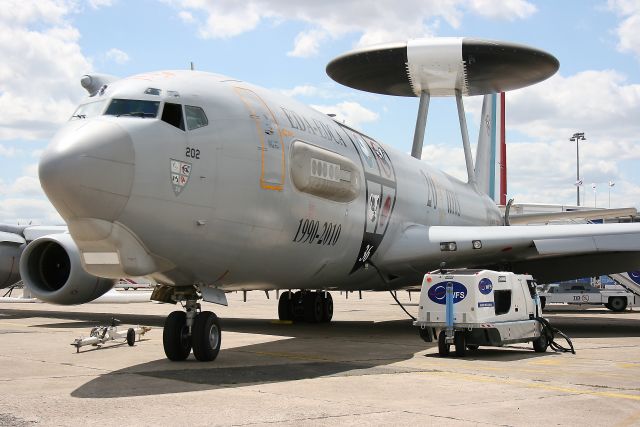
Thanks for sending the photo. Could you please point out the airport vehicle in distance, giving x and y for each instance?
(208, 184)
(585, 294)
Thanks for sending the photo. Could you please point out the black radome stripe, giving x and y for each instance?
(381, 69)
(498, 66)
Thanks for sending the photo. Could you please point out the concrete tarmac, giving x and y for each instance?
(368, 367)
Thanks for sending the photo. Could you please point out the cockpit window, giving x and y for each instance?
(133, 107)
(196, 118)
(90, 109)
(172, 114)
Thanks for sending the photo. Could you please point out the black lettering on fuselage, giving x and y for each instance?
(314, 127)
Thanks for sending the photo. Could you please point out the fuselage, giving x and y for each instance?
(195, 178)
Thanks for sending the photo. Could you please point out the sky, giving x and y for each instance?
(285, 45)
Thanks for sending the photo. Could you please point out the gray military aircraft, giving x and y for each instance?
(209, 184)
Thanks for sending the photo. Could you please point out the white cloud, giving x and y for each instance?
(348, 112)
(325, 91)
(628, 30)
(27, 185)
(7, 151)
(96, 4)
(447, 158)
(25, 211)
(307, 43)
(186, 17)
(19, 12)
(379, 21)
(23, 201)
(24, 186)
(301, 90)
(226, 19)
(118, 56)
(40, 68)
(506, 9)
(544, 172)
(600, 103)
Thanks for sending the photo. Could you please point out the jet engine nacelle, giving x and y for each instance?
(51, 267)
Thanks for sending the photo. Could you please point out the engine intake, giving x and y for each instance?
(52, 269)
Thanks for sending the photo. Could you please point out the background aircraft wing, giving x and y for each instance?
(11, 238)
(548, 252)
(540, 218)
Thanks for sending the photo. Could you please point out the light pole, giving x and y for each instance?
(577, 137)
(611, 184)
(595, 195)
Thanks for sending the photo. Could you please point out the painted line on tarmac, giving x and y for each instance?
(549, 387)
(629, 365)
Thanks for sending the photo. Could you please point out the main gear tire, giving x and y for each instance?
(175, 336)
(285, 309)
(313, 307)
(206, 336)
(327, 311)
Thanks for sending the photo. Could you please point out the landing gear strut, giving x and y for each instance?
(308, 306)
(192, 328)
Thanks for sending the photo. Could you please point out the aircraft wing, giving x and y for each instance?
(11, 238)
(548, 252)
(539, 218)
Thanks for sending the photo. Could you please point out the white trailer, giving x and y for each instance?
(585, 294)
(472, 308)
(103, 334)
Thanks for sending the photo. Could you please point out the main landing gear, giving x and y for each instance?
(193, 329)
(308, 306)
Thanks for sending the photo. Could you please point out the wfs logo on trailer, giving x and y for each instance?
(485, 286)
(438, 292)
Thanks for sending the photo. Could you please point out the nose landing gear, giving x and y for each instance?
(193, 329)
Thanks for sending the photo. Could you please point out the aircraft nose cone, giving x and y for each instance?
(87, 171)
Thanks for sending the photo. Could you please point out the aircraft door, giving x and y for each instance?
(272, 162)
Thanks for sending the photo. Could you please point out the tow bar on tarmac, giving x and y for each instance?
(102, 334)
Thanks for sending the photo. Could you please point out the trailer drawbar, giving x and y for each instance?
(473, 308)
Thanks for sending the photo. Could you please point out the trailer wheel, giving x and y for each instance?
(541, 343)
(131, 337)
(617, 303)
(443, 347)
(459, 342)
(425, 334)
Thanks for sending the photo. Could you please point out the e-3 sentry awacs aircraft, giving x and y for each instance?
(209, 184)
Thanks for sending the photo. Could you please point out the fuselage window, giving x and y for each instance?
(133, 108)
(172, 114)
(90, 109)
(196, 118)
